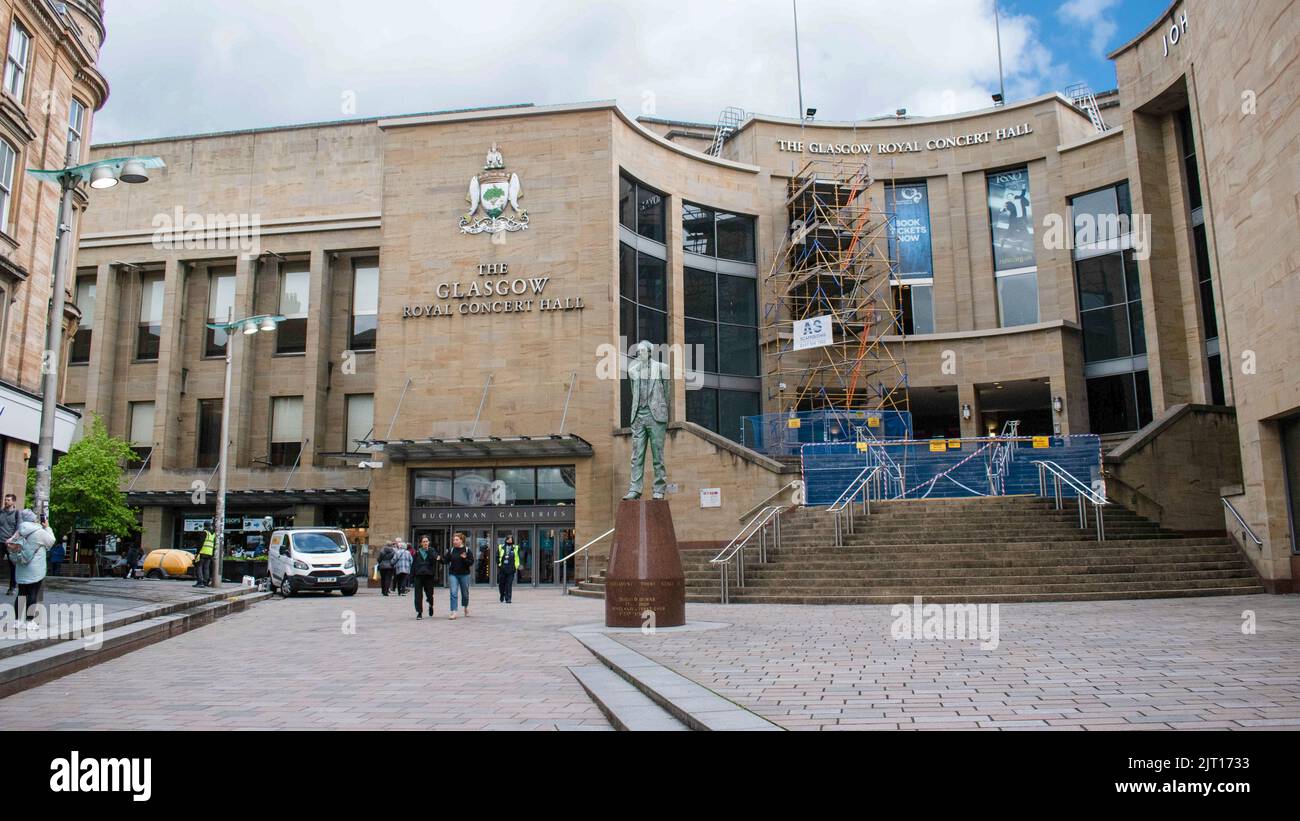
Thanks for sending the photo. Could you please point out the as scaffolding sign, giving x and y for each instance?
(814, 332)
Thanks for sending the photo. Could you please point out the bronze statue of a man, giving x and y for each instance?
(649, 419)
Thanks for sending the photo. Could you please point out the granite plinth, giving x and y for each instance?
(644, 585)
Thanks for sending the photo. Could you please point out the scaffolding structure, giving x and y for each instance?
(834, 262)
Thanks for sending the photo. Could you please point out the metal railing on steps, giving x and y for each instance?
(1060, 476)
(1246, 529)
(586, 562)
(873, 482)
(767, 527)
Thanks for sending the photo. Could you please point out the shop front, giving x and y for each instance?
(534, 505)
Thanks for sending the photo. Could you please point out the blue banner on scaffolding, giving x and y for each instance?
(952, 468)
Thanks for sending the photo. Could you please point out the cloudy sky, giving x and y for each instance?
(190, 67)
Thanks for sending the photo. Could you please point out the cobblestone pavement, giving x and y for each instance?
(1174, 663)
(288, 664)
(1124, 665)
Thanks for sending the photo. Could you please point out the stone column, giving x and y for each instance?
(316, 369)
(241, 365)
(970, 428)
(100, 372)
(171, 356)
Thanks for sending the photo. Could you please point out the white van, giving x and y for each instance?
(311, 558)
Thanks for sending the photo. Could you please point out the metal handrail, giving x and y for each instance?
(1248, 530)
(758, 508)
(586, 560)
(1082, 492)
(843, 506)
(769, 519)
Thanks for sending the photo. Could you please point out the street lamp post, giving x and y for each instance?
(99, 174)
(244, 327)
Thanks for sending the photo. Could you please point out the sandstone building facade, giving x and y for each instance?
(458, 288)
(51, 91)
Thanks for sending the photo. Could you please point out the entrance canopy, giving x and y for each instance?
(555, 445)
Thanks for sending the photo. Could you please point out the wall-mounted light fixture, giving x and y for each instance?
(965, 411)
(1058, 404)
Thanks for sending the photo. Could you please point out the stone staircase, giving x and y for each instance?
(1005, 549)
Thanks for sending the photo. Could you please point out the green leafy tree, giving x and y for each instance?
(86, 484)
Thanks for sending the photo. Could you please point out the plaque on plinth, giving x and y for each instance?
(644, 585)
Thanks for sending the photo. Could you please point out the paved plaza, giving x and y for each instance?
(296, 664)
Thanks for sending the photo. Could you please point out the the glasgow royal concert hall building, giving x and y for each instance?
(457, 287)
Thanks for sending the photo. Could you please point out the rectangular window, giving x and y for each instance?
(433, 488)
(365, 303)
(76, 124)
(1119, 403)
(1018, 298)
(295, 300)
(149, 326)
(913, 299)
(702, 408)
(649, 213)
(8, 165)
(80, 353)
(286, 430)
(360, 420)
(515, 486)
(1190, 167)
(20, 45)
(221, 304)
(141, 435)
(556, 485)
(733, 407)
(209, 433)
(735, 237)
(699, 232)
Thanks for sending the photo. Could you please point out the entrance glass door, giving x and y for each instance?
(554, 543)
(438, 541)
(480, 541)
(524, 539)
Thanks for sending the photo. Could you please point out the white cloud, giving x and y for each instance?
(1091, 14)
(191, 67)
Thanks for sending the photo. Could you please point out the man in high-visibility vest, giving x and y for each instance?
(507, 566)
(206, 553)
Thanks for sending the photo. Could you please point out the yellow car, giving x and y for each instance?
(166, 563)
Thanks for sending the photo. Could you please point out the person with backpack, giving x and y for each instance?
(387, 556)
(27, 548)
(8, 527)
(401, 566)
(507, 566)
(424, 572)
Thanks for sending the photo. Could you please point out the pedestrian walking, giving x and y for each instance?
(507, 566)
(206, 552)
(386, 557)
(8, 527)
(132, 559)
(57, 556)
(27, 549)
(460, 564)
(401, 567)
(424, 572)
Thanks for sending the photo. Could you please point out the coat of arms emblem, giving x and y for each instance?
(493, 199)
